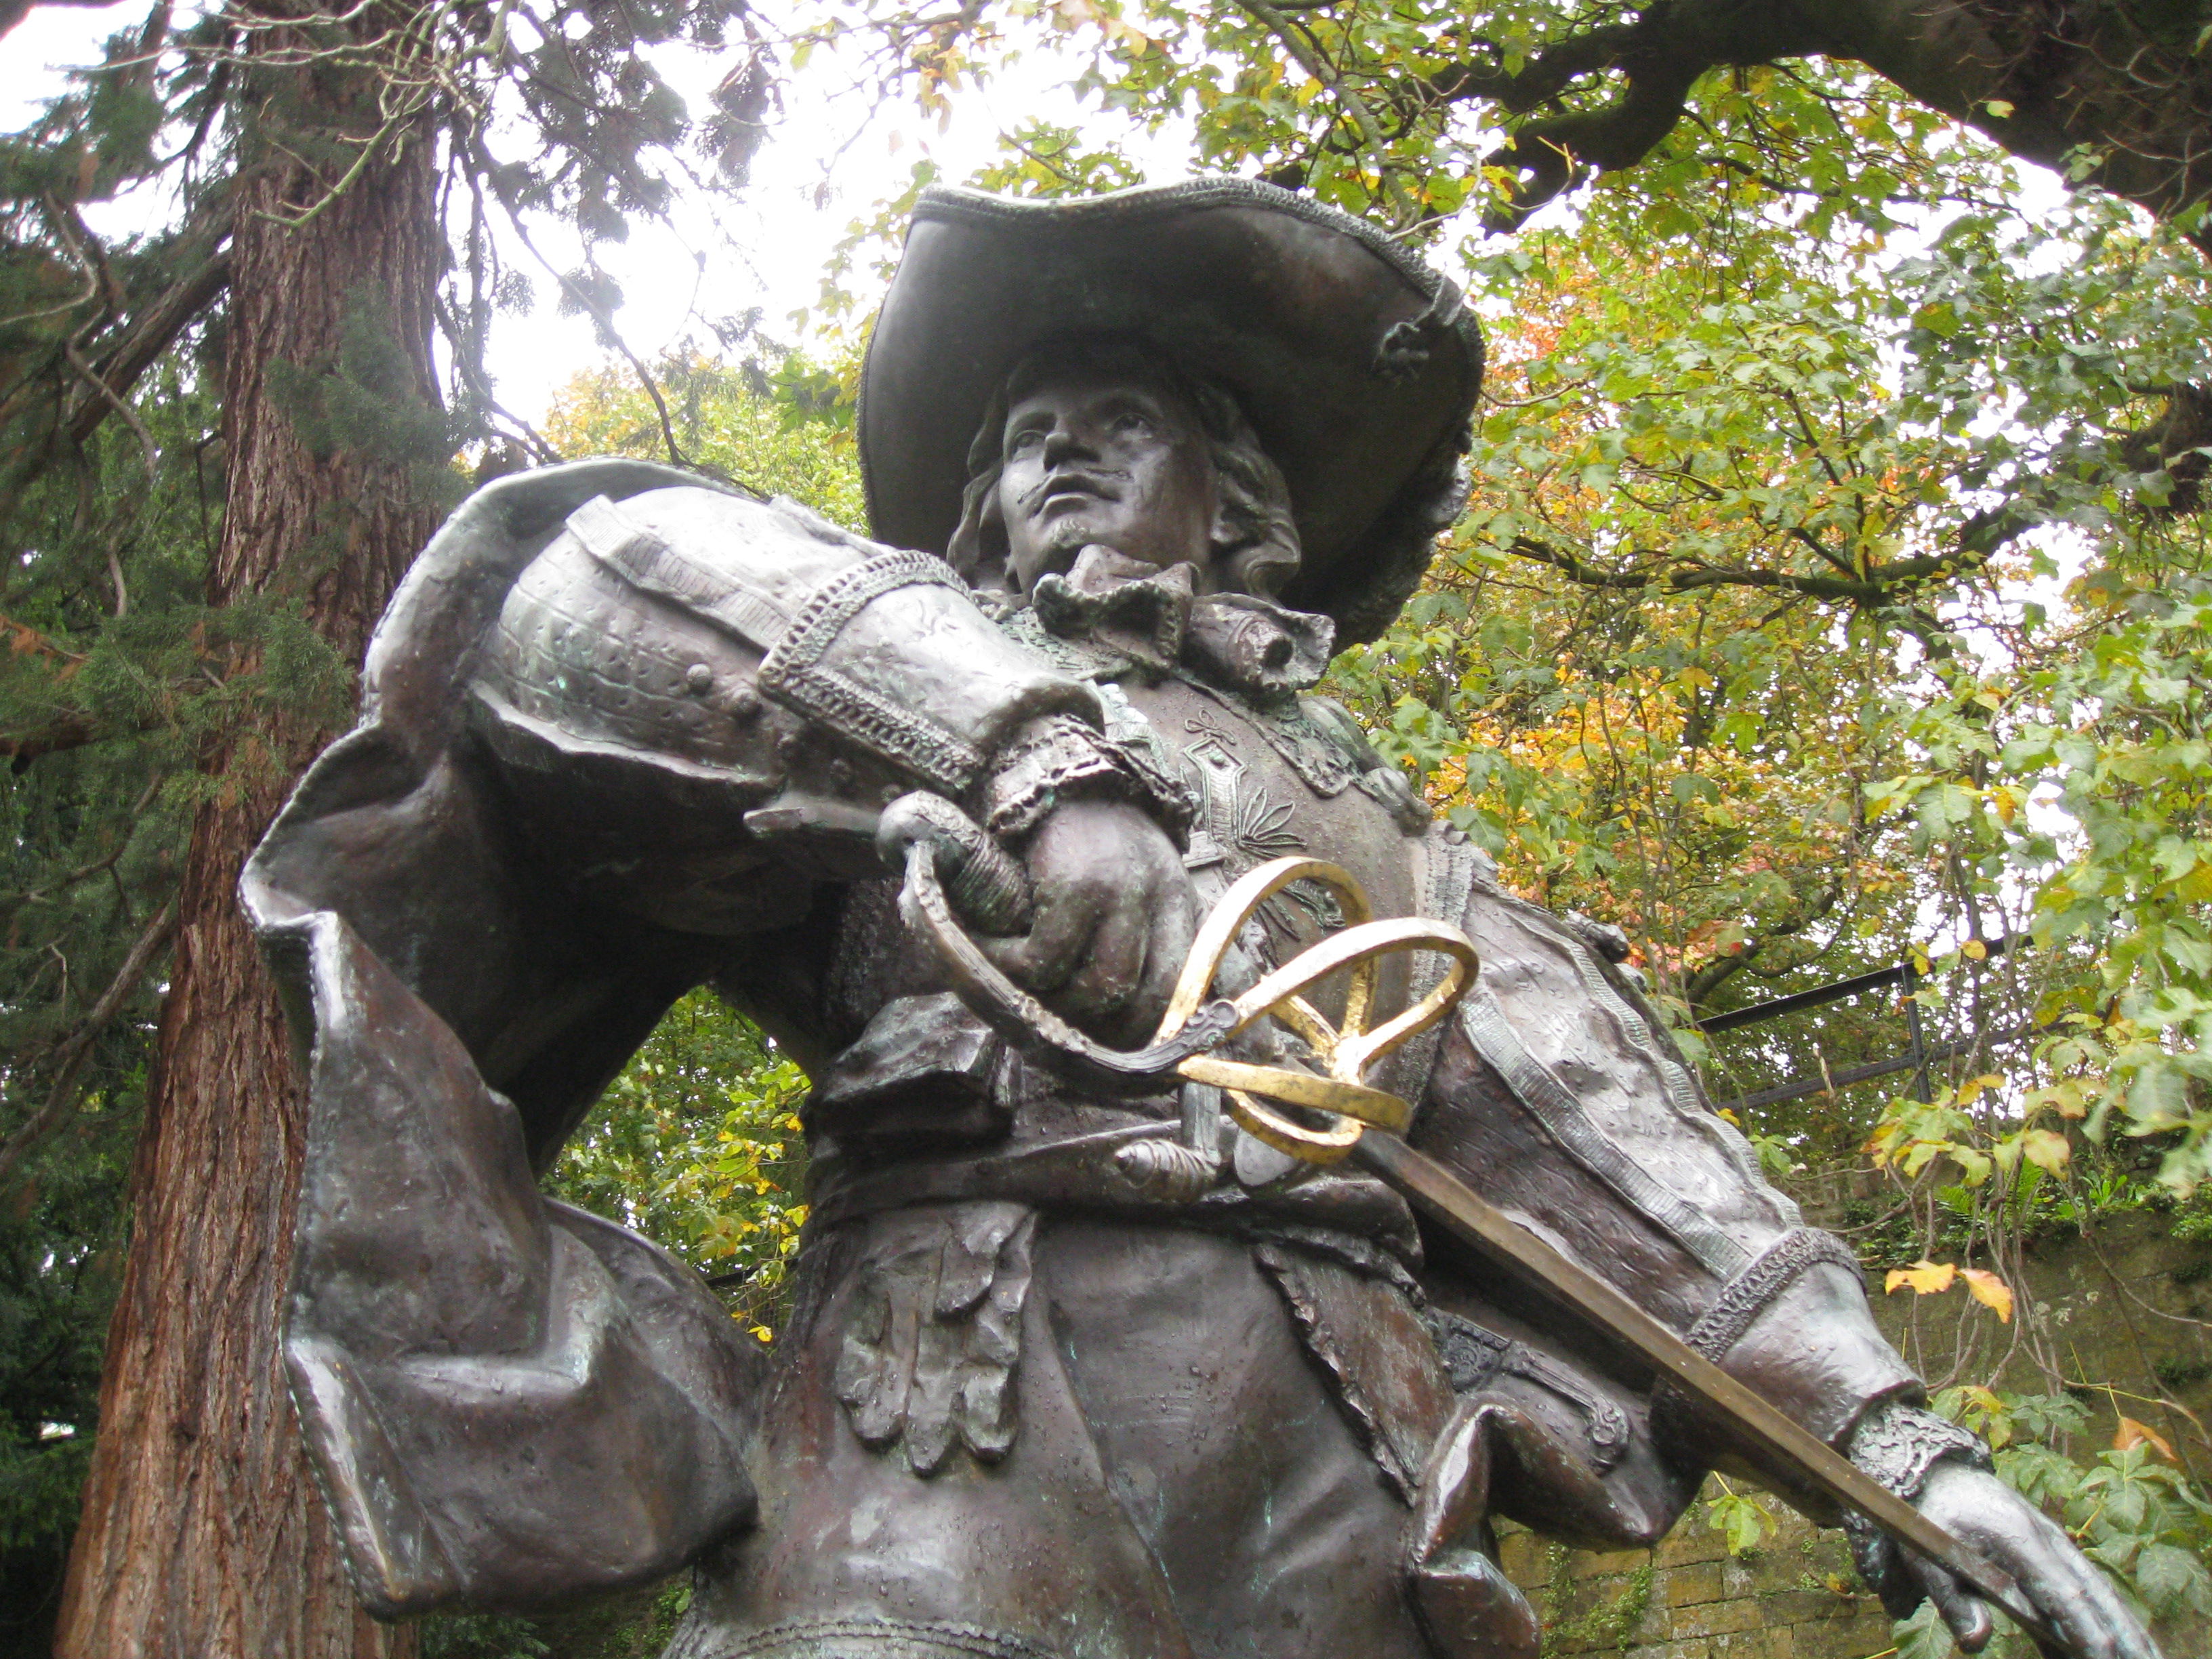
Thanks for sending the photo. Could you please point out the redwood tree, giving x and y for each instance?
(338, 197)
(202, 1532)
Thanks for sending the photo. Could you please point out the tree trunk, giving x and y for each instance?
(203, 1536)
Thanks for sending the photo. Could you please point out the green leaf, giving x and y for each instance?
(1742, 1522)
(2173, 1580)
(1923, 1635)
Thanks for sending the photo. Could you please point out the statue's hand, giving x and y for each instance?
(1113, 920)
(2062, 1584)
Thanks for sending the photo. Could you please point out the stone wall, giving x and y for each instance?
(1796, 1598)
(2122, 1309)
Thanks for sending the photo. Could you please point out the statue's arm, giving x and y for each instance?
(687, 711)
(1557, 1094)
(699, 702)
(504, 1399)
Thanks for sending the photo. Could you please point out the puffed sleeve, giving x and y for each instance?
(618, 729)
(1556, 1094)
(504, 1400)
(698, 702)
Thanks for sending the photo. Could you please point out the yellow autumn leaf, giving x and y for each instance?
(1992, 1292)
(2045, 1148)
(2063, 1098)
(2133, 1433)
(1926, 1278)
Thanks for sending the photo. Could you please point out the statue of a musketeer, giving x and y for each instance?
(1072, 1372)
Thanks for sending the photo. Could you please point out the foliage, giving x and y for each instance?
(624, 1625)
(483, 1636)
(542, 116)
(1609, 1625)
(1743, 1523)
(1414, 110)
(101, 603)
(772, 434)
(697, 1146)
(59, 1247)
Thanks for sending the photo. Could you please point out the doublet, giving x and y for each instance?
(1029, 1402)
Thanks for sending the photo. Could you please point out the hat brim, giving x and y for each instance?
(1356, 366)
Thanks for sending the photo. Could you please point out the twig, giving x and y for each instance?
(74, 1050)
(148, 451)
(1370, 130)
(591, 304)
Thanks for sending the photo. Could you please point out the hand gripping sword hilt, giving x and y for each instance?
(1333, 1103)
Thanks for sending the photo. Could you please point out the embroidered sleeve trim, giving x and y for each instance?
(1747, 1296)
(1060, 757)
(793, 674)
(1896, 1444)
(824, 612)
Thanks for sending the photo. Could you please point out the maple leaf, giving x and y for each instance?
(1925, 1276)
(1991, 1292)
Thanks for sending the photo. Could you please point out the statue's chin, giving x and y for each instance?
(1057, 555)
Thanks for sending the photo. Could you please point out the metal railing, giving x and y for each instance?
(1917, 1057)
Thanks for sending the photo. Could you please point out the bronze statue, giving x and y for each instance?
(1080, 1366)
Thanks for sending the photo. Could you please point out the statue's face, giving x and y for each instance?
(1095, 457)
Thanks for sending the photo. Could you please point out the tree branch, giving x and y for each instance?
(1371, 130)
(1875, 586)
(73, 1051)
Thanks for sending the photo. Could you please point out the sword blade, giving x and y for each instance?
(1506, 1244)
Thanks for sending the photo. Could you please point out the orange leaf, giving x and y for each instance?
(1925, 1276)
(1992, 1292)
(2133, 1433)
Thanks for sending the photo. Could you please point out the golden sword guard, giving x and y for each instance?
(1196, 1022)
(1341, 1094)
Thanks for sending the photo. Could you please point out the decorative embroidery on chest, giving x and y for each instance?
(1306, 747)
(1240, 825)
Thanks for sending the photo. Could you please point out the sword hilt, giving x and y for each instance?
(951, 865)
(983, 880)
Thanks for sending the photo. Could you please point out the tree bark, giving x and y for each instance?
(203, 1536)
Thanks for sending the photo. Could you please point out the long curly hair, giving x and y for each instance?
(1256, 542)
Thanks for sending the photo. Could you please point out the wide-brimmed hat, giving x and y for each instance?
(1356, 364)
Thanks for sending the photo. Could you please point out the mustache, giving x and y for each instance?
(1098, 479)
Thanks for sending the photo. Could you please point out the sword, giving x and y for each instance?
(1339, 1116)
